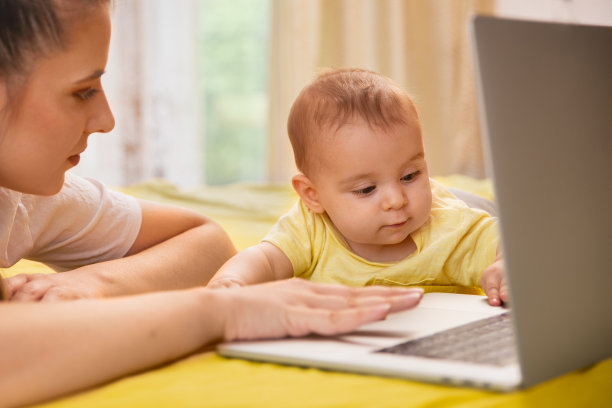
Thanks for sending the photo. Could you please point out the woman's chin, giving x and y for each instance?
(49, 188)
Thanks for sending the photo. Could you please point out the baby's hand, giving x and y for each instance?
(493, 283)
(225, 283)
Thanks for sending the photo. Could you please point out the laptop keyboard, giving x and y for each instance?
(487, 341)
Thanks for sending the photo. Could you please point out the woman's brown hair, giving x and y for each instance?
(32, 28)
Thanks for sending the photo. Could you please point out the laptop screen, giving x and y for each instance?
(545, 92)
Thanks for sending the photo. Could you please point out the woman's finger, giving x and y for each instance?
(12, 284)
(302, 321)
(336, 297)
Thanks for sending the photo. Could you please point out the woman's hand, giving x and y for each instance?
(52, 287)
(296, 307)
(133, 333)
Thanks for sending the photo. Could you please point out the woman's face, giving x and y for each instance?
(45, 126)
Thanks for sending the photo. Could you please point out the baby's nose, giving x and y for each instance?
(394, 198)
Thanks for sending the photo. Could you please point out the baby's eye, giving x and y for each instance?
(411, 176)
(86, 94)
(364, 191)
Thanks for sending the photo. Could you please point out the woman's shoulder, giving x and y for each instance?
(79, 197)
(81, 186)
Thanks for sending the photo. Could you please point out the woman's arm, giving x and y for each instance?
(175, 248)
(91, 341)
(260, 263)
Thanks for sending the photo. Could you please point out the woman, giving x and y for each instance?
(52, 99)
(52, 55)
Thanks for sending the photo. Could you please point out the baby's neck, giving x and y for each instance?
(384, 253)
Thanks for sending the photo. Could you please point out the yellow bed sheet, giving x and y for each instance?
(208, 380)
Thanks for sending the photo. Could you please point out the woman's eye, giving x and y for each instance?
(411, 176)
(364, 191)
(86, 94)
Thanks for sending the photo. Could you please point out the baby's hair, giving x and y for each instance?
(337, 96)
(32, 28)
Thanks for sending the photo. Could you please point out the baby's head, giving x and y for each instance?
(357, 142)
(338, 97)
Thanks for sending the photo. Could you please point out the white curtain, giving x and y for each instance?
(422, 45)
(152, 80)
(152, 86)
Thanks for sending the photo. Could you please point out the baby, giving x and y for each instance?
(368, 213)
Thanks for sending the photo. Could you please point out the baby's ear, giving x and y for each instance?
(307, 192)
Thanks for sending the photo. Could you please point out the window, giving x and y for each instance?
(233, 38)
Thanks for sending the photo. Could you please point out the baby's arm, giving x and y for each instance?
(493, 281)
(260, 263)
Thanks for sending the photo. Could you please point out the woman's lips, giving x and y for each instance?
(75, 159)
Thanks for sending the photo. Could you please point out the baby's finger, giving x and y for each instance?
(494, 298)
(503, 291)
(491, 283)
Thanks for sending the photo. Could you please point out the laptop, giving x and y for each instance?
(545, 98)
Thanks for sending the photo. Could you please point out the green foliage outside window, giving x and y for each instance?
(233, 70)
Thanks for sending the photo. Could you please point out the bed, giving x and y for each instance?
(247, 211)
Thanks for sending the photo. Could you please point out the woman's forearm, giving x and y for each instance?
(60, 347)
(186, 260)
(175, 248)
(67, 346)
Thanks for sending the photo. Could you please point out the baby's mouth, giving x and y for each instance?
(397, 225)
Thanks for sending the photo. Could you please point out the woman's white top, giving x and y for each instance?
(84, 223)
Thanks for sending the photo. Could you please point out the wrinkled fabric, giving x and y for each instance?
(84, 223)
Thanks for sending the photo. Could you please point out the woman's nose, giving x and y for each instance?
(102, 119)
(394, 198)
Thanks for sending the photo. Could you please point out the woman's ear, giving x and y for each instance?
(307, 192)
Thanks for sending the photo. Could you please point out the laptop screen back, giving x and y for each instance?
(545, 95)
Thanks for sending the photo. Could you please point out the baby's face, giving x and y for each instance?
(374, 186)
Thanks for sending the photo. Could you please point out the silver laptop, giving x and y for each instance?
(545, 94)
